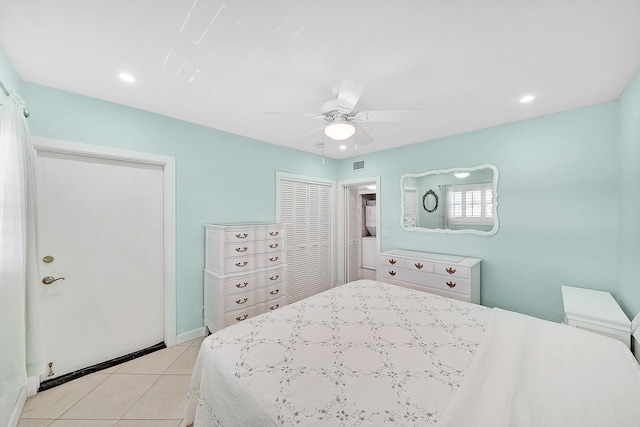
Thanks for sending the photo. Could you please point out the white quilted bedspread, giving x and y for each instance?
(362, 354)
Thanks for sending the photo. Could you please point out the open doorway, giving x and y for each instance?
(359, 223)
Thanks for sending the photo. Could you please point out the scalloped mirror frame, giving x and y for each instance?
(494, 186)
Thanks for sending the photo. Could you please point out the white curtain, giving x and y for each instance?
(20, 351)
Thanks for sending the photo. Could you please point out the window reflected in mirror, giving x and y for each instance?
(458, 200)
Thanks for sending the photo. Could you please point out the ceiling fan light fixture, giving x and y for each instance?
(340, 130)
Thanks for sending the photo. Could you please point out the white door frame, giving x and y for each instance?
(342, 240)
(168, 166)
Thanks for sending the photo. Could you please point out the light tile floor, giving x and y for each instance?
(146, 392)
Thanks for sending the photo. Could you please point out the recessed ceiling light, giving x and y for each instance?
(527, 98)
(461, 174)
(127, 77)
(343, 147)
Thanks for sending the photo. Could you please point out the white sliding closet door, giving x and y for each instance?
(306, 207)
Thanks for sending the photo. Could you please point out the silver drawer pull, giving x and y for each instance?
(274, 233)
(273, 307)
(241, 318)
(450, 270)
(451, 284)
(392, 273)
(244, 249)
(392, 261)
(241, 301)
(242, 285)
(273, 259)
(274, 292)
(273, 245)
(274, 277)
(242, 236)
(419, 266)
(241, 264)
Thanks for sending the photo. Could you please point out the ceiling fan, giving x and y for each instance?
(342, 119)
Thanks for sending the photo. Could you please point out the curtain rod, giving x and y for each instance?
(6, 92)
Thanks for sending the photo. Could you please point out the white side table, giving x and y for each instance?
(595, 311)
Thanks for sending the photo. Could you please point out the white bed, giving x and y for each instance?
(370, 354)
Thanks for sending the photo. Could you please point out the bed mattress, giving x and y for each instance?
(370, 354)
(364, 353)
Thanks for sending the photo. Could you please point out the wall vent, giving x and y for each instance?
(359, 165)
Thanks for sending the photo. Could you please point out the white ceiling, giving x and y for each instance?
(463, 63)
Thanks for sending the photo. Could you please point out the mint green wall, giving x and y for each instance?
(558, 208)
(8, 75)
(220, 177)
(557, 205)
(629, 199)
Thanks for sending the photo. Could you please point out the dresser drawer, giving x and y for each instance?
(253, 247)
(451, 270)
(387, 261)
(239, 236)
(233, 317)
(451, 284)
(419, 265)
(252, 262)
(234, 285)
(248, 299)
(401, 274)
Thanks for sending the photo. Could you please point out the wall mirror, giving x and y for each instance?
(457, 200)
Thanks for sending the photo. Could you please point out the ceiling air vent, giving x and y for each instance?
(359, 165)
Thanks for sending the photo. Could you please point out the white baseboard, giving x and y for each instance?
(17, 409)
(33, 383)
(191, 335)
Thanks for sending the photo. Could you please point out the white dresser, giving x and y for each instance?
(245, 272)
(595, 311)
(451, 276)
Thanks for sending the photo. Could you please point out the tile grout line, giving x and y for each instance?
(151, 386)
(140, 398)
(83, 397)
(165, 373)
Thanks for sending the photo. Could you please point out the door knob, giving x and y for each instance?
(50, 279)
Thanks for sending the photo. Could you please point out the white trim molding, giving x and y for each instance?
(191, 335)
(341, 252)
(14, 419)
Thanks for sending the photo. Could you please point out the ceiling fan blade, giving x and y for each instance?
(316, 135)
(285, 113)
(348, 95)
(361, 136)
(388, 116)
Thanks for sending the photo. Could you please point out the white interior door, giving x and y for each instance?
(102, 223)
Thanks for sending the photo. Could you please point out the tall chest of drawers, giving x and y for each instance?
(244, 272)
(451, 276)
